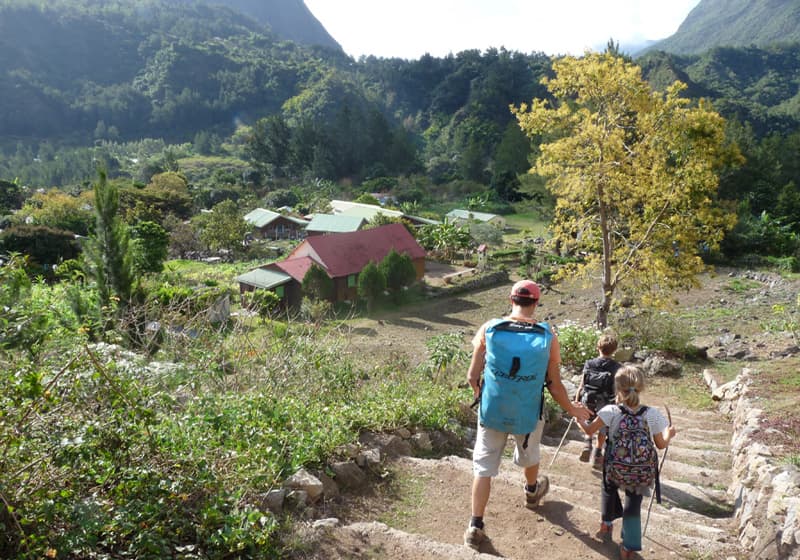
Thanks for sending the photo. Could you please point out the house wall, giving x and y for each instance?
(342, 292)
(282, 228)
(419, 266)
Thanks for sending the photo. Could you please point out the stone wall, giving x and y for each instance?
(766, 490)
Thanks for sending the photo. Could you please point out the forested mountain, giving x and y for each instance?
(735, 23)
(288, 19)
(132, 77)
(81, 71)
(760, 86)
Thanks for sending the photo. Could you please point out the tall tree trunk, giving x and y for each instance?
(608, 252)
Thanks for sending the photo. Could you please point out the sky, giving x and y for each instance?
(410, 28)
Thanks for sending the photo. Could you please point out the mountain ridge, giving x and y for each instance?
(734, 23)
(289, 19)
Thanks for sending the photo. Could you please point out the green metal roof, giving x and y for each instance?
(260, 217)
(263, 278)
(335, 223)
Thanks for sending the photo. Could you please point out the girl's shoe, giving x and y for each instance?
(605, 531)
(624, 553)
(597, 458)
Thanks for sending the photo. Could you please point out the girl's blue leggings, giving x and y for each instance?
(611, 508)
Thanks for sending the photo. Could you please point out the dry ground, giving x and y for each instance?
(432, 498)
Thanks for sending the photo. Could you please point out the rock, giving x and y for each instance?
(330, 489)
(328, 523)
(304, 481)
(349, 475)
(728, 391)
(656, 365)
(422, 441)
(273, 501)
(297, 499)
(404, 433)
(623, 354)
(369, 458)
(708, 377)
(389, 444)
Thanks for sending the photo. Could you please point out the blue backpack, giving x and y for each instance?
(512, 394)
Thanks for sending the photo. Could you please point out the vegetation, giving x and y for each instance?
(633, 173)
(169, 417)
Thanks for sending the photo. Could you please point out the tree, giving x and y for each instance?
(371, 284)
(149, 242)
(224, 228)
(398, 269)
(42, 245)
(317, 285)
(108, 258)
(510, 161)
(265, 303)
(445, 238)
(59, 210)
(269, 145)
(11, 197)
(634, 173)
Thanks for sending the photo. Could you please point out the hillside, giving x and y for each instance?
(750, 84)
(735, 23)
(288, 19)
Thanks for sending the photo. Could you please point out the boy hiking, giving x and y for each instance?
(631, 461)
(597, 390)
(518, 358)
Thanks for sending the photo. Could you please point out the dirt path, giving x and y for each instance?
(423, 508)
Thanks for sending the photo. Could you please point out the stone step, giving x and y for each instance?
(682, 507)
(396, 544)
(570, 512)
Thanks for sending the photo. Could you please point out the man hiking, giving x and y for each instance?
(518, 358)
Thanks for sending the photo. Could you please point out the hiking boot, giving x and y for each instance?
(597, 458)
(473, 537)
(532, 498)
(584, 456)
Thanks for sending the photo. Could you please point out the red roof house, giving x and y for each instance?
(343, 256)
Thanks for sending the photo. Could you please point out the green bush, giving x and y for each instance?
(172, 462)
(578, 344)
(655, 330)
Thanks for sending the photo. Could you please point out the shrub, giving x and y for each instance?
(654, 330)
(445, 353)
(578, 344)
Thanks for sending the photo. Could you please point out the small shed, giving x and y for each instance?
(459, 216)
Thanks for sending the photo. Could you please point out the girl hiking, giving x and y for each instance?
(631, 462)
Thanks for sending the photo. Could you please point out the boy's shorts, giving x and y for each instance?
(489, 446)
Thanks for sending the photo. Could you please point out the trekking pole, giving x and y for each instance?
(663, 458)
(571, 420)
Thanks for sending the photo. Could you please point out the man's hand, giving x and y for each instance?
(580, 412)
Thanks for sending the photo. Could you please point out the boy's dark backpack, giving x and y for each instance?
(631, 458)
(598, 382)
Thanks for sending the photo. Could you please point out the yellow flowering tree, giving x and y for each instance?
(634, 173)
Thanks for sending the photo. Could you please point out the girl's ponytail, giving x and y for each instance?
(628, 383)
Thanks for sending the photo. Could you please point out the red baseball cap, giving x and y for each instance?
(526, 289)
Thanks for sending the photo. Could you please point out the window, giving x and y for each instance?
(279, 291)
(352, 281)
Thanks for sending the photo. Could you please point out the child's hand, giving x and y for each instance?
(671, 431)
